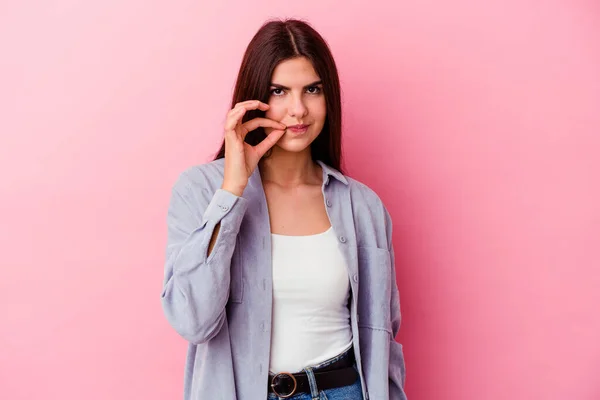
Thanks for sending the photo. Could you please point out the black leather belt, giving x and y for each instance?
(340, 373)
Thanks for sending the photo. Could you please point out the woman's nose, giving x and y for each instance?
(297, 108)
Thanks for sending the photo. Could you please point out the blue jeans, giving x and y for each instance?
(350, 392)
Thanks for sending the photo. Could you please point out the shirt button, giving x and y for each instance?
(262, 326)
(328, 203)
(224, 208)
(342, 239)
(355, 277)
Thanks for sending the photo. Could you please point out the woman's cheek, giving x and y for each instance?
(274, 112)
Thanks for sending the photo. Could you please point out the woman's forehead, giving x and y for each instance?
(295, 72)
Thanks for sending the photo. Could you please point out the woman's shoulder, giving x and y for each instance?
(360, 193)
(205, 175)
(356, 187)
(364, 194)
(370, 212)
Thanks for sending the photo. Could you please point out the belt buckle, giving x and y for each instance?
(293, 380)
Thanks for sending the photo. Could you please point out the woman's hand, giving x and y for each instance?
(240, 157)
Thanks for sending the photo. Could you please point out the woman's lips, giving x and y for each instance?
(298, 128)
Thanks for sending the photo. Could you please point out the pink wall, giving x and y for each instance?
(484, 114)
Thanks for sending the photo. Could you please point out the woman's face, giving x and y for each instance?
(296, 98)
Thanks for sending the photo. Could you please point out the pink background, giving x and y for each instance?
(484, 116)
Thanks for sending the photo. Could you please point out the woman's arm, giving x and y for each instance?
(397, 369)
(196, 283)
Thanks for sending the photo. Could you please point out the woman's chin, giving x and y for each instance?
(292, 146)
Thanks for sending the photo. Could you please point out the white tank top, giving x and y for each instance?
(311, 319)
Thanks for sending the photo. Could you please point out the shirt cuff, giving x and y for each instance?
(222, 203)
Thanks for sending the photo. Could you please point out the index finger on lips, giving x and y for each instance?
(264, 122)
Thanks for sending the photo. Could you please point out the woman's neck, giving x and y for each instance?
(288, 169)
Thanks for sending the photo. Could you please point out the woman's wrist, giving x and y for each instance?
(233, 189)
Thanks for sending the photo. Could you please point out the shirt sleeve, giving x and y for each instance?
(397, 367)
(196, 285)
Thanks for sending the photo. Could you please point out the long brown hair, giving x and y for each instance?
(276, 41)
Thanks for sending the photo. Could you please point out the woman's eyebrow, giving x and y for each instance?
(287, 88)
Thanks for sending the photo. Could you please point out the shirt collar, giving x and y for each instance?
(327, 172)
(330, 171)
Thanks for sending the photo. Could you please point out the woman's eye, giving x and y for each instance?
(310, 90)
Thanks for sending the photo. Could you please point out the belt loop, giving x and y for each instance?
(312, 382)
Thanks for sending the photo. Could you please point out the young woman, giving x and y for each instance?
(279, 268)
